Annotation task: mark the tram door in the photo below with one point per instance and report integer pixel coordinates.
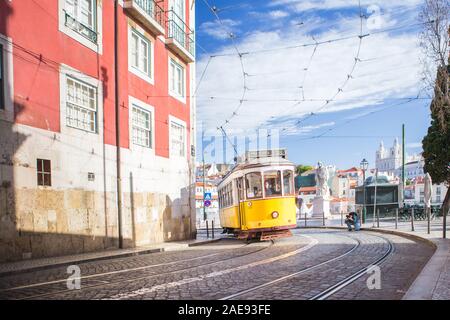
(241, 203)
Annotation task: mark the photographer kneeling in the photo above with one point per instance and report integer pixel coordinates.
(352, 219)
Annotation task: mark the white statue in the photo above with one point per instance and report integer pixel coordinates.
(322, 176)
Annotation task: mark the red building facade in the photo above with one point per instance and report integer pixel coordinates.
(58, 123)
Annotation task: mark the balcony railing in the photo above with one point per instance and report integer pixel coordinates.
(80, 28)
(181, 34)
(147, 12)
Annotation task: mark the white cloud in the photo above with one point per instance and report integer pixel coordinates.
(277, 14)
(414, 145)
(218, 30)
(391, 71)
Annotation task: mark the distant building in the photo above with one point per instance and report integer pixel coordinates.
(414, 193)
(390, 162)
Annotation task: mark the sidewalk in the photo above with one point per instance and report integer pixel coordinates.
(433, 283)
(16, 267)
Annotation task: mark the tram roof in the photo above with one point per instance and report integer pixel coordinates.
(258, 163)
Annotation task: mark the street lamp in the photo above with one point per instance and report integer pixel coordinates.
(364, 165)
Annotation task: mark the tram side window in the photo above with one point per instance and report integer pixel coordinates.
(240, 186)
(272, 183)
(230, 194)
(220, 198)
(253, 183)
(288, 183)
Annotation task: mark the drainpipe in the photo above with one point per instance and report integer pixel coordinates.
(117, 115)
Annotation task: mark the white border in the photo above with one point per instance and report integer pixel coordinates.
(148, 108)
(182, 123)
(150, 79)
(97, 47)
(65, 71)
(171, 93)
(7, 114)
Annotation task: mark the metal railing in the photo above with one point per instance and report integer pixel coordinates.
(152, 8)
(80, 28)
(179, 31)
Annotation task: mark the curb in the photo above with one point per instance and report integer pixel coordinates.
(196, 244)
(106, 257)
(75, 261)
(394, 232)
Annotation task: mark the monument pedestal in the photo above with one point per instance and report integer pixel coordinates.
(321, 206)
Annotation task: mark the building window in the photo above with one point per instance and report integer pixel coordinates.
(177, 139)
(176, 79)
(140, 54)
(2, 80)
(142, 127)
(44, 172)
(80, 16)
(81, 105)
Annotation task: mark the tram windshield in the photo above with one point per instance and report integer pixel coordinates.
(272, 183)
(253, 183)
(288, 183)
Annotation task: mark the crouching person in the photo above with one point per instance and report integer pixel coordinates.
(352, 219)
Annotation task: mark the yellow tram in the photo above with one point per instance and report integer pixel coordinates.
(257, 199)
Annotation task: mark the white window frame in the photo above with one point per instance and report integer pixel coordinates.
(179, 122)
(132, 101)
(73, 105)
(174, 94)
(149, 77)
(7, 114)
(96, 47)
(66, 72)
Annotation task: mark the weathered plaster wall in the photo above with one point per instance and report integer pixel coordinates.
(76, 215)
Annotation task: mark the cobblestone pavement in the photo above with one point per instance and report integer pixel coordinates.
(229, 267)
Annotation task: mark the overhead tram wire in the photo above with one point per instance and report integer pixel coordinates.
(323, 134)
(349, 75)
(214, 10)
(322, 42)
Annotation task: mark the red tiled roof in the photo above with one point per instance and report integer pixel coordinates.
(308, 189)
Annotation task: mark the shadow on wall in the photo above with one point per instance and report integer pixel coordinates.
(39, 221)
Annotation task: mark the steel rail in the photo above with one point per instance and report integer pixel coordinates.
(103, 283)
(352, 278)
(307, 269)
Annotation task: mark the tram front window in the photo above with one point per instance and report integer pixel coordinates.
(272, 183)
(288, 182)
(253, 183)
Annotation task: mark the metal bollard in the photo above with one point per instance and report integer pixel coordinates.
(378, 218)
(412, 219)
(342, 218)
(429, 220)
(212, 228)
(305, 220)
(323, 218)
(207, 229)
(396, 218)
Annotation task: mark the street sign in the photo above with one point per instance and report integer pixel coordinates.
(207, 196)
(207, 203)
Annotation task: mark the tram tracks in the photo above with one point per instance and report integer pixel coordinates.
(355, 276)
(334, 288)
(106, 282)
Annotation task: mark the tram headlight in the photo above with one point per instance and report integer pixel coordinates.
(275, 214)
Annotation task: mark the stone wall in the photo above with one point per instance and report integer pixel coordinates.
(75, 215)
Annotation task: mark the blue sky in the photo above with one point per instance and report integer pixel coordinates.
(284, 83)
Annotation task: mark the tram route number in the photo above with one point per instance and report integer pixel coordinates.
(238, 309)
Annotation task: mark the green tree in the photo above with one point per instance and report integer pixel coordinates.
(436, 144)
(434, 40)
(300, 169)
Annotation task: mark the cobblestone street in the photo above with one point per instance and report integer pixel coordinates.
(301, 267)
